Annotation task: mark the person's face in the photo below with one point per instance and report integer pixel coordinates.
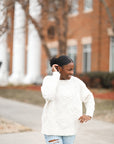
(66, 71)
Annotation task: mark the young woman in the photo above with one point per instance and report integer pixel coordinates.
(64, 94)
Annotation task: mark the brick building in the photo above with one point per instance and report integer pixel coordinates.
(90, 37)
(90, 42)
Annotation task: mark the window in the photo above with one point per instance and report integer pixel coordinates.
(51, 11)
(72, 53)
(88, 5)
(112, 54)
(53, 52)
(87, 58)
(74, 7)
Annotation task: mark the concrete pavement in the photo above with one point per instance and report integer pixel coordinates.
(93, 132)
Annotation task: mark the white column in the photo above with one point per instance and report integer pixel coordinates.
(34, 47)
(3, 49)
(18, 64)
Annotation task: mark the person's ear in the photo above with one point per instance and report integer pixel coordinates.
(59, 69)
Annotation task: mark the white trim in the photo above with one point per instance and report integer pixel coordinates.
(110, 32)
(73, 14)
(86, 40)
(88, 11)
(52, 44)
(51, 19)
(71, 42)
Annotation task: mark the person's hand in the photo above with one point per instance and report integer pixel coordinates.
(54, 68)
(84, 118)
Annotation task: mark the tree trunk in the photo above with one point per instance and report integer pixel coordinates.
(62, 28)
(39, 28)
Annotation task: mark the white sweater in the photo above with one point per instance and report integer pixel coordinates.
(64, 104)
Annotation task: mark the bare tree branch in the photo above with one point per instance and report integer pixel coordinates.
(58, 10)
(108, 13)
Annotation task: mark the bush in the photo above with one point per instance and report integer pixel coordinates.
(98, 79)
(85, 79)
(112, 83)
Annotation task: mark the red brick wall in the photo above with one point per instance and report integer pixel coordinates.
(92, 24)
(86, 25)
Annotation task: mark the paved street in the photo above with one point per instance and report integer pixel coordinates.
(93, 132)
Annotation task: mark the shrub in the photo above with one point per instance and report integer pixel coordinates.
(85, 79)
(112, 84)
(98, 79)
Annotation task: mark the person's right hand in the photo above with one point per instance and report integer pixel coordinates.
(54, 68)
(84, 118)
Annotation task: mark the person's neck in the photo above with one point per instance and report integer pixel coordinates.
(61, 78)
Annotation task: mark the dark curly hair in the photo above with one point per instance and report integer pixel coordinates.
(61, 60)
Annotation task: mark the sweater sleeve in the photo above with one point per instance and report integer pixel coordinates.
(88, 99)
(49, 85)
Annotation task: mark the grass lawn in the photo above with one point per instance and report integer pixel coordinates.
(104, 109)
(27, 96)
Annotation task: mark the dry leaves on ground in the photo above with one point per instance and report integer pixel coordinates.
(7, 126)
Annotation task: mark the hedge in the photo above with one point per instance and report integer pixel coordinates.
(98, 79)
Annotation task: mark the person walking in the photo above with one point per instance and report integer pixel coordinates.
(64, 94)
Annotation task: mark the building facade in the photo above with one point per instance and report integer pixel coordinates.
(90, 42)
(90, 37)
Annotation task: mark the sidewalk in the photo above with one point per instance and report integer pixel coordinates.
(93, 132)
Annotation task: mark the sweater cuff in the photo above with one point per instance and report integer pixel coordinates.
(56, 74)
(89, 114)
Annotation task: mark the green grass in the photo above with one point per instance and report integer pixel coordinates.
(104, 109)
(27, 96)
